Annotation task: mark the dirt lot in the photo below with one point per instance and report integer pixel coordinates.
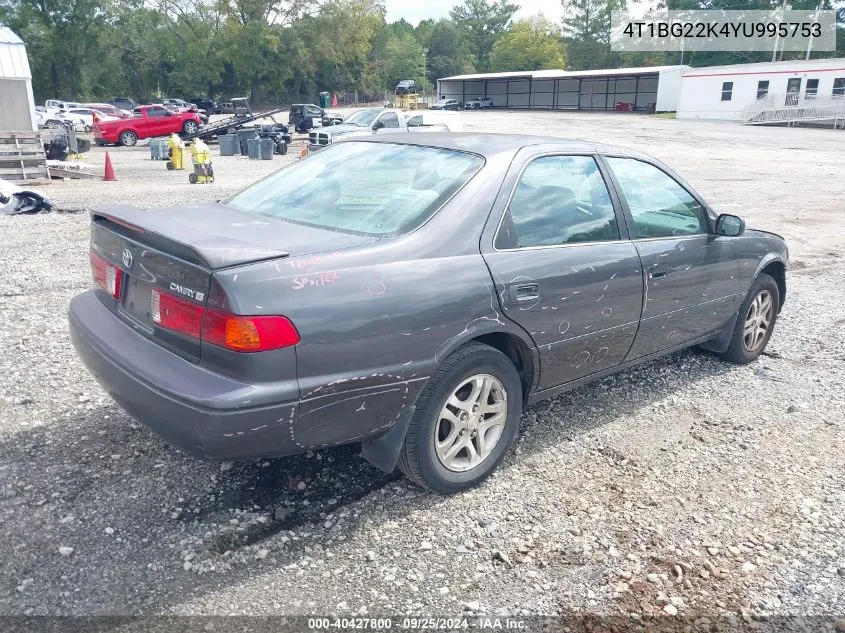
(686, 486)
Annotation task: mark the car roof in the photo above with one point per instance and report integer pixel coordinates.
(488, 145)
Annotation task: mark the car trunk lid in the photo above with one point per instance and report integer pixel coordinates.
(177, 251)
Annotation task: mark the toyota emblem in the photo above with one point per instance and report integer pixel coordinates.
(127, 258)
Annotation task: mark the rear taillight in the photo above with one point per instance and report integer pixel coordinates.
(106, 275)
(234, 332)
(176, 314)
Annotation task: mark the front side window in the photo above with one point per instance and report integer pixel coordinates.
(390, 120)
(727, 90)
(659, 205)
(559, 200)
(812, 88)
(839, 87)
(378, 189)
(762, 89)
(157, 112)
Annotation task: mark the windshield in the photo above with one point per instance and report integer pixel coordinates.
(363, 118)
(376, 189)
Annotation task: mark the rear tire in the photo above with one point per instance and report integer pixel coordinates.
(756, 321)
(459, 435)
(128, 139)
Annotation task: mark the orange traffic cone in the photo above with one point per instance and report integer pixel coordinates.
(109, 173)
(304, 151)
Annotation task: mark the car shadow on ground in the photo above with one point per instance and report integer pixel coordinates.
(134, 502)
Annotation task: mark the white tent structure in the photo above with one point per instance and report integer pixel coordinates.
(17, 104)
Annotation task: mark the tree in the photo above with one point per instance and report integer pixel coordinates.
(63, 36)
(529, 45)
(448, 53)
(586, 31)
(482, 23)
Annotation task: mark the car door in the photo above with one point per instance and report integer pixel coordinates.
(159, 121)
(689, 273)
(563, 266)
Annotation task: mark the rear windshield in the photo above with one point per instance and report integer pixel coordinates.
(377, 189)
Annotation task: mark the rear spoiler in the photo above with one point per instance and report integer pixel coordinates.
(164, 231)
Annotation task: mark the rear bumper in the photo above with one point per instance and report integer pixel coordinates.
(196, 410)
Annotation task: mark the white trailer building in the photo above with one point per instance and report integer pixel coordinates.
(647, 89)
(723, 92)
(17, 104)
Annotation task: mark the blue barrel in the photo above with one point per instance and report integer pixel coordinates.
(158, 149)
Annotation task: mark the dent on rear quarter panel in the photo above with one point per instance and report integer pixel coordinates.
(371, 334)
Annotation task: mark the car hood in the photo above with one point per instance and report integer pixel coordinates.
(224, 236)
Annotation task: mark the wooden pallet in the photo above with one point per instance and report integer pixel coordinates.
(22, 158)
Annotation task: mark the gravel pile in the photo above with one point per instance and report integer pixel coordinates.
(687, 486)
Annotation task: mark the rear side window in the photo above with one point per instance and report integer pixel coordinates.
(559, 200)
(378, 189)
(660, 206)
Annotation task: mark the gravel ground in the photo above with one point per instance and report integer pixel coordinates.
(685, 486)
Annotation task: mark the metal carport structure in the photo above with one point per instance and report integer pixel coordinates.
(654, 88)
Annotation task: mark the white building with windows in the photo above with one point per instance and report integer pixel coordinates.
(723, 92)
(17, 104)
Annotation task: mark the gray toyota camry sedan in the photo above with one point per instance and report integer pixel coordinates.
(413, 293)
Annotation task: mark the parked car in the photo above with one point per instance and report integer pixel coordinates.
(304, 116)
(124, 103)
(479, 103)
(178, 103)
(373, 121)
(446, 104)
(209, 105)
(332, 118)
(57, 120)
(54, 105)
(406, 86)
(147, 122)
(413, 293)
(109, 110)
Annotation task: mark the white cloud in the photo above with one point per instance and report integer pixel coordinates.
(414, 11)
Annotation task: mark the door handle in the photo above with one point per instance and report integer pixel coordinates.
(656, 272)
(524, 292)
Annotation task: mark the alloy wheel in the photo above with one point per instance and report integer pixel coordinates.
(471, 422)
(757, 321)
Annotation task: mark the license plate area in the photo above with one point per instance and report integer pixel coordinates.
(136, 301)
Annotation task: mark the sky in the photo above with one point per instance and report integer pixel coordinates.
(415, 10)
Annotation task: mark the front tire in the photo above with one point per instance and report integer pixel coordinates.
(466, 419)
(757, 317)
(190, 127)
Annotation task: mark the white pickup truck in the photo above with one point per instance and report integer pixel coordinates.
(383, 120)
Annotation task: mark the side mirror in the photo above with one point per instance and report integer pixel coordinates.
(730, 225)
(378, 125)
